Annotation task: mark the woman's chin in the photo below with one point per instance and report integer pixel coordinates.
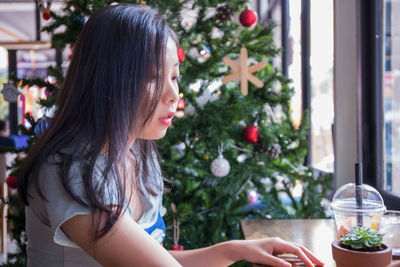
(154, 136)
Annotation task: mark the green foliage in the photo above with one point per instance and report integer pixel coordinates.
(363, 238)
(209, 208)
(16, 208)
(16, 218)
(52, 88)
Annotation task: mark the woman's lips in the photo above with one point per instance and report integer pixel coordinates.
(167, 120)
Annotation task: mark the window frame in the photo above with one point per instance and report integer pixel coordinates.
(371, 16)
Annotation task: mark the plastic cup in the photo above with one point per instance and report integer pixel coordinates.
(357, 205)
(391, 228)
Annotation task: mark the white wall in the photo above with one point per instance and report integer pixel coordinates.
(345, 89)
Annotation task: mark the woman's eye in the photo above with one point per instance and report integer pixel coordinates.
(177, 78)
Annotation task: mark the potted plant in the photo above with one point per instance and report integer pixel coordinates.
(363, 247)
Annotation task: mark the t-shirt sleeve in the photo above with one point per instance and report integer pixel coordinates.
(60, 206)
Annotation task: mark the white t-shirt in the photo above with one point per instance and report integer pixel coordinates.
(48, 245)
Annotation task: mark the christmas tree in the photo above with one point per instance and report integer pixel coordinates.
(16, 208)
(234, 140)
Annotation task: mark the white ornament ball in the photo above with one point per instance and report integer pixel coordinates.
(220, 167)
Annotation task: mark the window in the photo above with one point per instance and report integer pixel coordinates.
(288, 17)
(391, 96)
(380, 97)
(321, 71)
(321, 63)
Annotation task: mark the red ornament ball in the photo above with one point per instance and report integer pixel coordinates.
(248, 18)
(177, 247)
(46, 16)
(181, 104)
(11, 182)
(250, 134)
(71, 46)
(181, 54)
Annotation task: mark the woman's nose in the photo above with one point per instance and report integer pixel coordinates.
(172, 93)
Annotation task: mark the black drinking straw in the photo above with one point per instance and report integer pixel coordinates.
(359, 182)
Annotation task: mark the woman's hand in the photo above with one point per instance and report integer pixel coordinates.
(263, 251)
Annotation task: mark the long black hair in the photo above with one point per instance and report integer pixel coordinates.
(104, 102)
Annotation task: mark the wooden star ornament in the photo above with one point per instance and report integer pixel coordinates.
(243, 71)
(143, 3)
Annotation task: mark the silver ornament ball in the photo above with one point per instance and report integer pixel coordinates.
(220, 167)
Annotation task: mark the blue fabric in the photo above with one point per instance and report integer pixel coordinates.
(157, 226)
(42, 125)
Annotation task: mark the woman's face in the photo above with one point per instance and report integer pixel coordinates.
(166, 108)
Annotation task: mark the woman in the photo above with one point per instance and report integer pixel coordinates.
(91, 183)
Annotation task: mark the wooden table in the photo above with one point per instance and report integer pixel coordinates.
(317, 234)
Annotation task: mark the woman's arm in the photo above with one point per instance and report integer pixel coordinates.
(218, 255)
(127, 244)
(257, 251)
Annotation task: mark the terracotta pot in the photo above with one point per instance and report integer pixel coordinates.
(352, 258)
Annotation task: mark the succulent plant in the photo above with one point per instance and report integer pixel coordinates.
(363, 238)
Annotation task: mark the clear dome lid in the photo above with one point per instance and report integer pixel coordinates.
(358, 199)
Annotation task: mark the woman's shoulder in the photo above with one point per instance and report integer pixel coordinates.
(70, 164)
(69, 183)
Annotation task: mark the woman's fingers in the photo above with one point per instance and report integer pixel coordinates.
(311, 256)
(293, 249)
(276, 246)
(274, 261)
(304, 254)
